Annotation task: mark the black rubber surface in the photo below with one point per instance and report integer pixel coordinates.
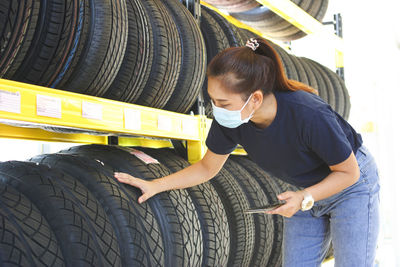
(13, 248)
(271, 189)
(103, 49)
(166, 64)
(138, 59)
(193, 68)
(321, 86)
(215, 41)
(264, 227)
(210, 210)
(63, 211)
(128, 222)
(174, 211)
(18, 20)
(241, 226)
(26, 234)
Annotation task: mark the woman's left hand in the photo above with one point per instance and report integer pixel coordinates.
(292, 205)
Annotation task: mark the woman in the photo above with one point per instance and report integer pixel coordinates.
(293, 134)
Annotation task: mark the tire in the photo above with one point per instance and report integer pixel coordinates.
(328, 85)
(241, 226)
(312, 81)
(264, 226)
(102, 53)
(193, 58)
(210, 210)
(129, 223)
(337, 88)
(174, 211)
(18, 20)
(63, 212)
(215, 41)
(265, 20)
(230, 30)
(52, 42)
(322, 88)
(234, 6)
(138, 59)
(27, 231)
(271, 189)
(288, 65)
(301, 74)
(13, 248)
(166, 64)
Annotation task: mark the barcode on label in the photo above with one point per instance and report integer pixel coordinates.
(10, 101)
(48, 106)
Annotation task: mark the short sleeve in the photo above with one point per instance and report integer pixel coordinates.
(326, 138)
(218, 141)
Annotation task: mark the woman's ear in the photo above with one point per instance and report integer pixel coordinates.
(257, 99)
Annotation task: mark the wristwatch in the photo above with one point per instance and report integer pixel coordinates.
(307, 202)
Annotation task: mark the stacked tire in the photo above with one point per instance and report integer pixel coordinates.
(67, 209)
(151, 52)
(265, 20)
(145, 52)
(219, 34)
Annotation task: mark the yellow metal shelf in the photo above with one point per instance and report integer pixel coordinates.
(67, 109)
(26, 109)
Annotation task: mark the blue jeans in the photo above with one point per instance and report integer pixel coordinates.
(350, 219)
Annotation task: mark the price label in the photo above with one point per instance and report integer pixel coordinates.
(48, 106)
(10, 101)
(132, 119)
(92, 110)
(189, 127)
(164, 123)
(143, 156)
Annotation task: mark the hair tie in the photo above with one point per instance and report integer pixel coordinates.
(252, 43)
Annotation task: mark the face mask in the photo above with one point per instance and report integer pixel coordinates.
(230, 118)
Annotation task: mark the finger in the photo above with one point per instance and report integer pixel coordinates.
(280, 210)
(122, 176)
(143, 198)
(285, 195)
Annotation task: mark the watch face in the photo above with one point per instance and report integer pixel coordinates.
(306, 205)
(309, 204)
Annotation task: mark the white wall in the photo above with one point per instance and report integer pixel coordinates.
(371, 32)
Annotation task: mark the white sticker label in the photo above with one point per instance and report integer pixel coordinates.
(132, 119)
(164, 123)
(48, 106)
(10, 101)
(143, 156)
(189, 127)
(92, 111)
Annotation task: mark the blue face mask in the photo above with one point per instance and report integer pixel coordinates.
(230, 118)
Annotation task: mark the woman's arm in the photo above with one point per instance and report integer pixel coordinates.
(195, 174)
(342, 176)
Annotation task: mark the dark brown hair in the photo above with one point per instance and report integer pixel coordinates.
(243, 70)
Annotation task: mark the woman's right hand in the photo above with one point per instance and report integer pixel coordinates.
(148, 188)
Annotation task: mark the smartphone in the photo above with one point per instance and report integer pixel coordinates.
(265, 208)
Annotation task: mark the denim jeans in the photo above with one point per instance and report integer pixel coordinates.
(350, 219)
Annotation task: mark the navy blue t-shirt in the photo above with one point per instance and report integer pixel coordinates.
(305, 137)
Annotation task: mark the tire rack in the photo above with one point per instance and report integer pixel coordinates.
(25, 107)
